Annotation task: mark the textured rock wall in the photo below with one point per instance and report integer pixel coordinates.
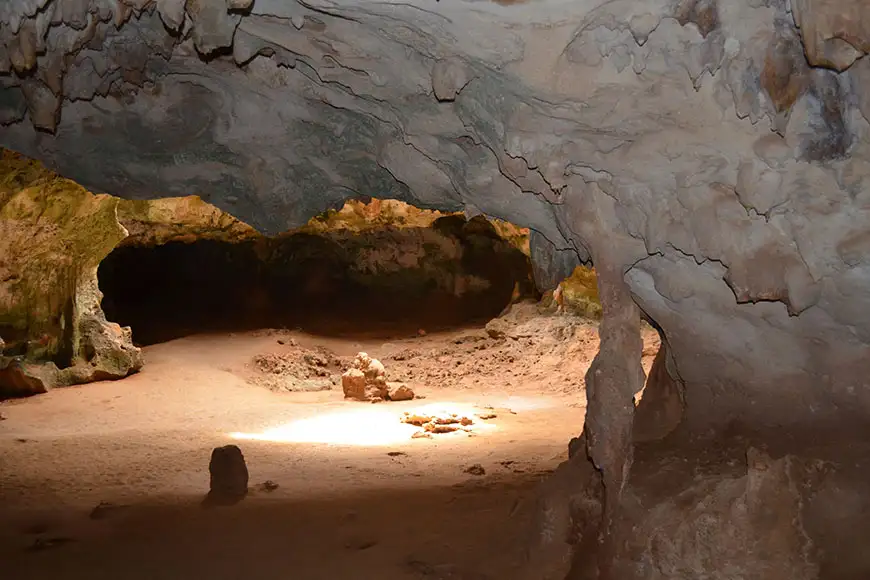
(725, 526)
(178, 219)
(53, 234)
(713, 153)
(365, 215)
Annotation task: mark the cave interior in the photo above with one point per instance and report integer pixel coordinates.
(334, 259)
(308, 280)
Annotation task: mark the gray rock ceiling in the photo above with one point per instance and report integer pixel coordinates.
(716, 152)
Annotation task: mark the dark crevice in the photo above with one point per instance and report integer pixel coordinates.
(65, 353)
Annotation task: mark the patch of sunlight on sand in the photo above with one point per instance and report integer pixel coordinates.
(364, 427)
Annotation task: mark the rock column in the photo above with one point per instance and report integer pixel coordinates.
(611, 382)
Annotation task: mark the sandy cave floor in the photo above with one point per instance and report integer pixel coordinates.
(357, 497)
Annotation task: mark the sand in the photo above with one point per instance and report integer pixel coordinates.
(357, 496)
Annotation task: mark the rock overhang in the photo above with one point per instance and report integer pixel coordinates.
(715, 152)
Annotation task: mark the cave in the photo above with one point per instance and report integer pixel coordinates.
(382, 281)
(694, 407)
(374, 333)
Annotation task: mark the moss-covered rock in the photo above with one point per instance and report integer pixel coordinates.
(53, 235)
(580, 293)
(360, 216)
(179, 219)
(576, 295)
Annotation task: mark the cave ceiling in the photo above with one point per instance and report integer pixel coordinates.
(714, 151)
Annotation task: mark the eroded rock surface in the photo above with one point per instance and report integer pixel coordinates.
(748, 526)
(660, 409)
(711, 157)
(366, 380)
(53, 235)
(367, 266)
(187, 219)
(641, 127)
(749, 521)
(836, 32)
(400, 392)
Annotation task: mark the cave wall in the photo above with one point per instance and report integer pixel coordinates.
(718, 151)
(178, 219)
(38, 217)
(53, 235)
(452, 257)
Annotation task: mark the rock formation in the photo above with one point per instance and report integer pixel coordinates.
(577, 294)
(742, 526)
(53, 235)
(711, 158)
(660, 409)
(228, 476)
(365, 380)
(724, 172)
(178, 219)
(400, 392)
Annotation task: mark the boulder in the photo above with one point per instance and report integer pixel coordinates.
(20, 379)
(353, 383)
(377, 389)
(400, 392)
(361, 361)
(497, 328)
(228, 475)
(375, 370)
(365, 380)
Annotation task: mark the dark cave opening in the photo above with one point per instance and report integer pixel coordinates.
(382, 281)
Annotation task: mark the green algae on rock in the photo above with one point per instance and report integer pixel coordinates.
(53, 235)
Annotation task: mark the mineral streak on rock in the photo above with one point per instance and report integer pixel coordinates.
(702, 13)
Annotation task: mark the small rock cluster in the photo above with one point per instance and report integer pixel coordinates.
(366, 380)
(434, 424)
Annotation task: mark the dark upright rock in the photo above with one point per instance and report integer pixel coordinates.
(229, 476)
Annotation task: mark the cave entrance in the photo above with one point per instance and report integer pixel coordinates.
(376, 268)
